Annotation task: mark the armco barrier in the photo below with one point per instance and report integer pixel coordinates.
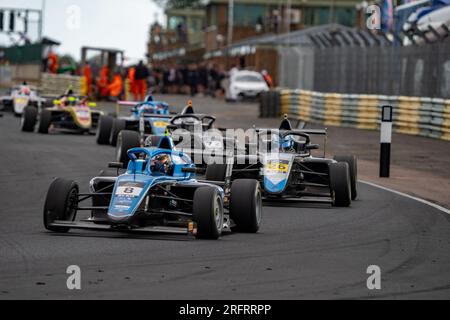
(428, 117)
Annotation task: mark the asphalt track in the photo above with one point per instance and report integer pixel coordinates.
(301, 252)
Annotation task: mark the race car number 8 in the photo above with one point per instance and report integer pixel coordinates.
(128, 191)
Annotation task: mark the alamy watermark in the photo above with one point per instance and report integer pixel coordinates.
(74, 280)
(73, 17)
(374, 280)
(215, 146)
(373, 22)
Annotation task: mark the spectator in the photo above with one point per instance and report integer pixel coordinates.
(116, 86)
(192, 79)
(172, 79)
(52, 61)
(202, 78)
(267, 78)
(102, 83)
(140, 77)
(132, 82)
(87, 72)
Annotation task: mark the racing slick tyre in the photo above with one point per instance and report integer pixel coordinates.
(208, 213)
(45, 119)
(216, 172)
(117, 126)
(340, 188)
(60, 204)
(105, 124)
(353, 169)
(125, 141)
(246, 205)
(29, 119)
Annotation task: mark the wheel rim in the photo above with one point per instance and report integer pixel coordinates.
(72, 202)
(119, 149)
(218, 213)
(258, 208)
(97, 134)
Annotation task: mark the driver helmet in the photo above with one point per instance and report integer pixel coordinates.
(287, 143)
(161, 164)
(25, 90)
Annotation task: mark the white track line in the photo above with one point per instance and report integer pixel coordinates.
(431, 204)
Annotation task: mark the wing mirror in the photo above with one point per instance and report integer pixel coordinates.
(312, 147)
(193, 170)
(57, 102)
(92, 105)
(115, 165)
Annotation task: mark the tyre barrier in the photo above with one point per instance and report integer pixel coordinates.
(428, 117)
(56, 84)
(269, 104)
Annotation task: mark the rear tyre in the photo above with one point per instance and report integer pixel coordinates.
(246, 205)
(353, 170)
(29, 119)
(126, 140)
(208, 213)
(216, 172)
(45, 119)
(340, 184)
(60, 204)
(104, 129)
(117, 126)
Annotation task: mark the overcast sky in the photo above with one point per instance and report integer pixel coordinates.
(106, 23)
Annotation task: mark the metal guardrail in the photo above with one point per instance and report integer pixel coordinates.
(428, 117)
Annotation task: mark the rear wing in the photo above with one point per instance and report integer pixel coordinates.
(127, 103)
(322, 132)
(133, 104)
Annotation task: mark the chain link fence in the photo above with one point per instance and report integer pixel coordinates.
(384, 70)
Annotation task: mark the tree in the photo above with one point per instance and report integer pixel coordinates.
(177, 4)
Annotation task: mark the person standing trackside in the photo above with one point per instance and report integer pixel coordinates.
(267, 78)
(140, 78)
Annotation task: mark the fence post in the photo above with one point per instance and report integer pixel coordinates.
(385, 141)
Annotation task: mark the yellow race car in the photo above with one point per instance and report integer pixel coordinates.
(69, 113)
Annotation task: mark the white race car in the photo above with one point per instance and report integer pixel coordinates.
(20, 97)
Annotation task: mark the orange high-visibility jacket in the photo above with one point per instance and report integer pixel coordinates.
(115, 88)
(52, 62)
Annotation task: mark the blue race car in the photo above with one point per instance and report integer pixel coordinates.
(154, 114)
(157, 193)
(289, 172)
(190, 142)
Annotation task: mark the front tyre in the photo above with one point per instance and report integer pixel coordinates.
(246, 205)
(353, 170)
(208, 213)
(340, 187)
(125, 141)
(118, 125)
(45, 120)
(29, 119)
(104, 129)
(61, 204)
